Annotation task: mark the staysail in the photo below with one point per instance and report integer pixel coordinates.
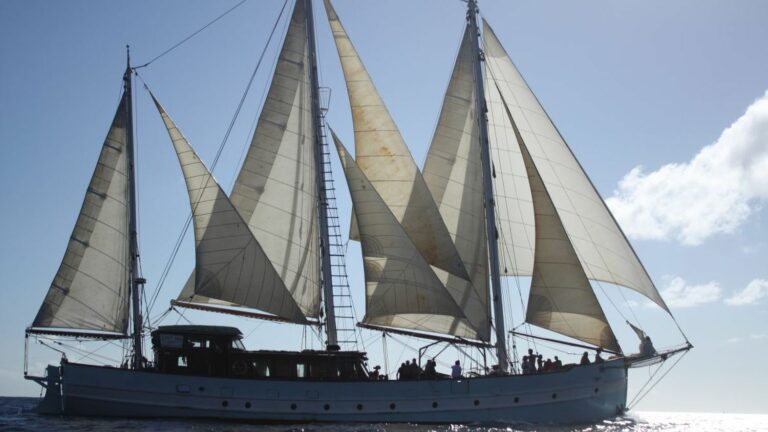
(453, 173)
(402, 289)
(91, 288)
(382, 155)
(230, 264)
(561, 298)
(601, 246)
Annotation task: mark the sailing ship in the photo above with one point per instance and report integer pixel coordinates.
(500, 195)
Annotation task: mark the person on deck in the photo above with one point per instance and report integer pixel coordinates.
(456, 370)
(375, 373)
(599, 359)
(415, 369)
(401, 373)
(548, 366)
(584, 358)
(558, 363)
(540, 363)
(430, 372)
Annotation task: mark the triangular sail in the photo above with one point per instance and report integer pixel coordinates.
(402, 289)
(90, 290)
(601, 246)
(230, 264)
(453, 173)
(275, 191)
(382, 155)
(561, 298)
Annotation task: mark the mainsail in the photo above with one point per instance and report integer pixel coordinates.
(453, 174)
(600, 244)
(402, 289)
(382, 155)
(230, 264)
(275, 191)
(90, 290)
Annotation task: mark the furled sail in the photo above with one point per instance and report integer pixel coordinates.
(561, 298)
(382, 155)
(453, 173)
(275, 191)
(402, 289)
(600, 244)
(90, 290)
(230, 263)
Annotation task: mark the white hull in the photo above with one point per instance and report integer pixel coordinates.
(580, 395)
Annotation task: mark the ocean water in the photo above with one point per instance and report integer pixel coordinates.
(16, 415)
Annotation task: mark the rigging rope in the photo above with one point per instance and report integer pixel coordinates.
(192, 35)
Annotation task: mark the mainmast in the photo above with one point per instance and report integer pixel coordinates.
(322, 199)
(136, 281)
(490, 204)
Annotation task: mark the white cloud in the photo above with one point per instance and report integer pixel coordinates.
(753, 337)
(679, 294)
(751, 294)
(715, 192)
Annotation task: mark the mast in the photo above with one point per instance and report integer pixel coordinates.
(136, 281)
(490, 204)
(322, 199)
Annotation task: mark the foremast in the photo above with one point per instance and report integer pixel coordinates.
(322, 199)
(490, 204)
(136, 281)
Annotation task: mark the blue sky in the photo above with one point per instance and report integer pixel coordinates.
(664, 104)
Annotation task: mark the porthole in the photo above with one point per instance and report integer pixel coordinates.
(554, 395)
(517, 399)
(477, 402)
(202, 389)
(248, 405)
(359, 407)
(392, 406)
(597, 390)
(224, 404)
(293, 407)
(434, 404)
(326, 407)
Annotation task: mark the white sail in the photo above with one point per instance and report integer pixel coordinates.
(230, 264)
(600, 244)
(275, 191)
(402, 289)
(382, 155)
(90, 290)
(561, 298)
(453, 173)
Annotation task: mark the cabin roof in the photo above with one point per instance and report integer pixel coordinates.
(200, 330)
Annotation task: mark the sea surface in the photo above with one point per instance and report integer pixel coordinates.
(16, 415)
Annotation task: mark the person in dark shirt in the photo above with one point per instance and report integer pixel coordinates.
(599, 359)
(558, 363)
(401, 373)
(584, 358)
(430, 372)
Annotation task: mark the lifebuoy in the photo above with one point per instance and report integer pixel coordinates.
(239, 367)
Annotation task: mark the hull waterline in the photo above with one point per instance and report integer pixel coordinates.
(579, 395)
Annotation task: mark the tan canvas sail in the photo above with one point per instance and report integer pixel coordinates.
(561, 298)
(90, 290)
(402, 289)
(382, 155)
(230, 264)
(453, 173)
(275, 191)
(600, 244)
